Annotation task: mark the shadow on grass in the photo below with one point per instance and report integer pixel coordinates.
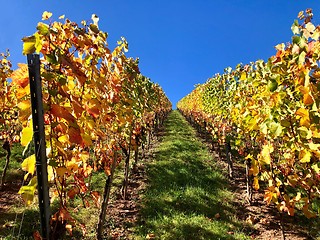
(186, 198)
(19, 225)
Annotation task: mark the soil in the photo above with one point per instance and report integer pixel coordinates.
(8, 196)
(125, 213)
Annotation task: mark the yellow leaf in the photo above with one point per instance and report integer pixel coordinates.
(63, 139)
(305, 122)
(62, 17)
(38, 43)
(310, 27)
(25, 110)
(256, 183)
(84, 156)
(265, 153)
(46, 15)
(243, 76)
(302, 112)
(308, 99)
(26, 135)
(61, 171)
(27, 192)
(313, 146)
(29, 45)
(20, 77)
(249, 156)
(50, 173)
(304, 156)
(29, 164)
(254, 168)
(22, 92)
(24, 105)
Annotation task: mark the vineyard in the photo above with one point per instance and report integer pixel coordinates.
(107, 128)
(268, 113)
(98, 109)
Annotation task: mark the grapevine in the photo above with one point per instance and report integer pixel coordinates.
(96, 103)
(269, 111)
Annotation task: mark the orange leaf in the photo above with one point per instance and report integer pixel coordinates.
(256, 183)
(74, 135)
(61, 171)
(73, 192)
(36, 235)
(94, 111)
(96, 197)
(64, 215)
(307, 99)
(77, 108)
(61, 112)
(20, 77)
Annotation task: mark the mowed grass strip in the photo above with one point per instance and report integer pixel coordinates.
(187, 195)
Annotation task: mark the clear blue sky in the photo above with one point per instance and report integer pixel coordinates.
(180, 43)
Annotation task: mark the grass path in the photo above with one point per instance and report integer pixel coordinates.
(187, 196)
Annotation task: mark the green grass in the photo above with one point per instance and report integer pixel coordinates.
(14, 171)
(17, 213)
(186, 191)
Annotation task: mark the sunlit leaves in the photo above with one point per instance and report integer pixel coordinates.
(304, 156)
(95, 100)
(27, 192)
(20, 76)
(46, 15)
(29, 45)
(26, 135)
(61, 112)
(29, 165)
(43, 28)
(270, 110)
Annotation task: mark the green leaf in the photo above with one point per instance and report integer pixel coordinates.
(43, 28)
(29, 45)
(272, 85)
(94, 28)
(305, 132)
(275, 129)
(296, 40)
(285, 123)
(51, 58)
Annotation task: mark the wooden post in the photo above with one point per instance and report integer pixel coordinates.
(39, 143)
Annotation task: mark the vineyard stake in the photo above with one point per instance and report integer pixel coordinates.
(39, 143)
